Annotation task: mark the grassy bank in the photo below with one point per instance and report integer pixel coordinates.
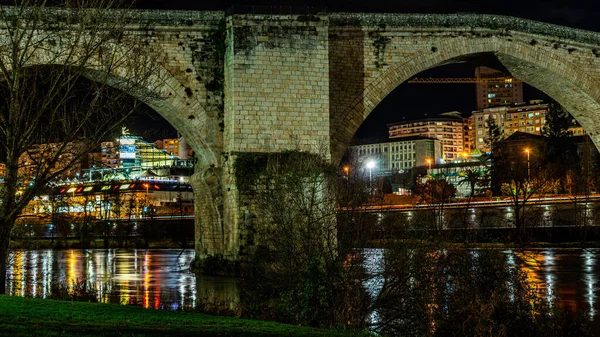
(37, 317)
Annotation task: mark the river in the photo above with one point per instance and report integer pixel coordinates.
(159, 278)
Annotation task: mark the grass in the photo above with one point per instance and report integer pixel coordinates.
(38, 317)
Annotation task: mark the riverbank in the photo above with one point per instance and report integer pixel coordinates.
(72, 243)
(38, 317)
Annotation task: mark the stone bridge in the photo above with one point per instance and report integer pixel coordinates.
(240, 83)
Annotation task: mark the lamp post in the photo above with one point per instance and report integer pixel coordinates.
(347, 171)
(528, 170)
(370, 166)
(429, 163)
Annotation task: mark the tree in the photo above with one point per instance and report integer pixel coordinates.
(435, 193)
(51, 113)
(522, 177)
(561, 153)
(557, 122)
(493, 138)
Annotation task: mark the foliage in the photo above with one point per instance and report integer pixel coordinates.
(557, 123)
(297, 274)
(76, 290)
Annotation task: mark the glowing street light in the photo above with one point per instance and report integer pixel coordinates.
(346, 170)
(428, 163)
(528, 171)
(146, 186)
(370, 166)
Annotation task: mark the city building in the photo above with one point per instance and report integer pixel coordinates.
(468, 134)
(447, 127)
(528, 118)
(39, 157)
(2, 171)
(491, 92)
(398, 154)
(136, 152)
(109, 155)
(461, 172)
(171, 145)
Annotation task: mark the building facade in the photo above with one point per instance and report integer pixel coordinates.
(447, 127)
(496, 88)
(459, 173)
(398, 154)
(528, 118)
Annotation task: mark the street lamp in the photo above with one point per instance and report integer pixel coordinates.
(370, 166)
(146, 186)
(428, 163)
(528, 171)
(346, 171)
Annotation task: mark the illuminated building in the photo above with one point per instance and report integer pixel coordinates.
(175, 146)
(492, 93)
(110, 154)
(171, 145)
(468, 134)
(136, 152)
(398, 154)
(447, 127)
(2, 171)
(40, 156)
(457, 171)
(528, 118)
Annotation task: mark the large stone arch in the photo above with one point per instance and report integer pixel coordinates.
(169, 95)
(529, 61)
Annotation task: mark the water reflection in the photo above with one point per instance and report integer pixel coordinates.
(150, 278)
(159, 278)
(566, 277)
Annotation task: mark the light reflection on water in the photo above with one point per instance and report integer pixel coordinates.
(150, 278)
(159, 278)
(567, 276)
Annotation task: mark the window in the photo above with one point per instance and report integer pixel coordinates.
(491, 95)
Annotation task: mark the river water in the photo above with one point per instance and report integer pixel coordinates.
(159, 278)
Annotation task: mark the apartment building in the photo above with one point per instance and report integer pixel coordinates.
(447, 127)
(399, 154)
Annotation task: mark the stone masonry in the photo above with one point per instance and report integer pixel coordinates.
(247, 83)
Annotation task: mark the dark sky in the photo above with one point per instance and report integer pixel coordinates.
(415, 100)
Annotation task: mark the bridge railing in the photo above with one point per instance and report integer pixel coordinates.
(281, 10)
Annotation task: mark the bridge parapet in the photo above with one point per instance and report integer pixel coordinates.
(465, 21)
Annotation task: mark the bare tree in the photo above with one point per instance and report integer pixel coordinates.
(51, 114)
(435, 193)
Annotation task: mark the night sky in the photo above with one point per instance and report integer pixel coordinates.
(408, 100)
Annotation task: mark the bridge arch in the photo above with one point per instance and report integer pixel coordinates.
(170, 96)
(527, 60)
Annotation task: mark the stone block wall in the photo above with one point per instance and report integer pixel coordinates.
(277, 83)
